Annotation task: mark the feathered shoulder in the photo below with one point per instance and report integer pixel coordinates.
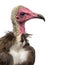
(7, 41)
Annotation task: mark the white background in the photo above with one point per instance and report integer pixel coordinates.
(45, 38)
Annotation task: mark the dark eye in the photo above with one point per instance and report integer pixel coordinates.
(22, 14)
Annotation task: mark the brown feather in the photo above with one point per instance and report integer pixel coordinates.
(6, 59)
(31, 56)
(7, 41)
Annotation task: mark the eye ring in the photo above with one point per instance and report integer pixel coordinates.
(22, 14)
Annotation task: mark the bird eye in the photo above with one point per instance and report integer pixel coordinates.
(22, 14)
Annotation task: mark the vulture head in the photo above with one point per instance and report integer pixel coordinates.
(20, 15)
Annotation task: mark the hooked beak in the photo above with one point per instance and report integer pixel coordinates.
(39, 16)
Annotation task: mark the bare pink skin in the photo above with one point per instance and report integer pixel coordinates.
(21, 20)
(21, 29)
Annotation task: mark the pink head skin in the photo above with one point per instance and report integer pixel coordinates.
(23, 15)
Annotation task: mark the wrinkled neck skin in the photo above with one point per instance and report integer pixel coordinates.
(22, 28)
(18, 29)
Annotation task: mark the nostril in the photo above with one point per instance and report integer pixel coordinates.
(17, 17)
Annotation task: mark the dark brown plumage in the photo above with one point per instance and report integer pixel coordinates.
(31, 56)
(6, 42)
(6, 59)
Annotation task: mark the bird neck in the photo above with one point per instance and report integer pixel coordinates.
(21, 28)
(18, 29)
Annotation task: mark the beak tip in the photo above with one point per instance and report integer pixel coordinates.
(44, 19)
(41, 17)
